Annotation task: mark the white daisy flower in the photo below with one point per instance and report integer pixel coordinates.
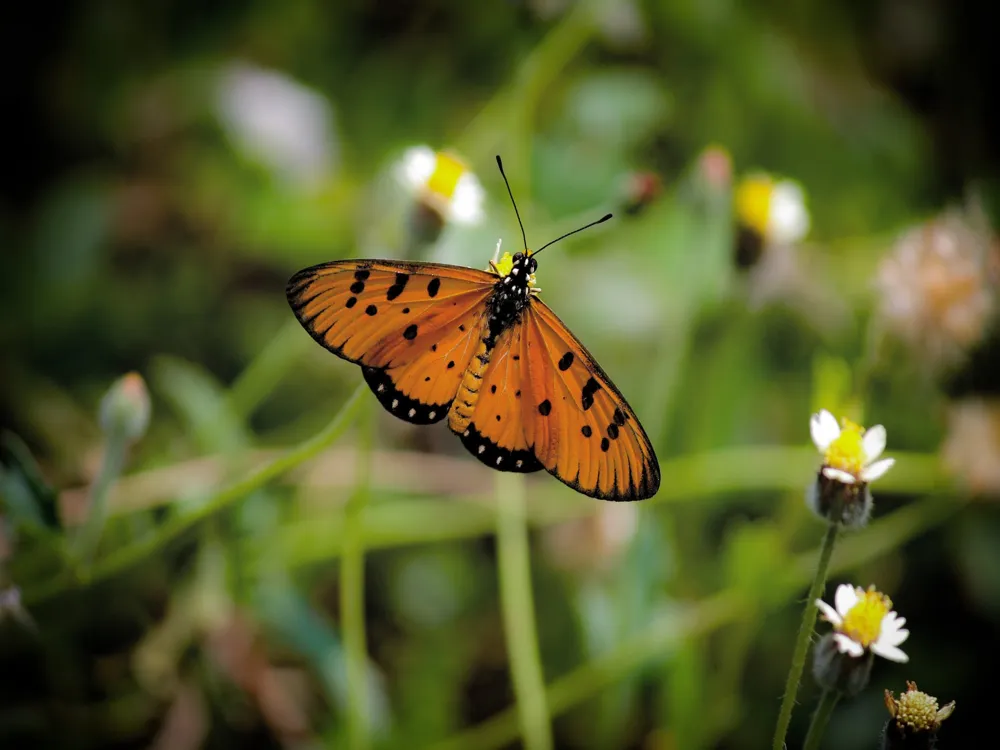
(864, 621)
(774, 209)
(849, 451)
(444, 183)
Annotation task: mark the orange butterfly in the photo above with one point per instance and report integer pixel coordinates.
(481, 348)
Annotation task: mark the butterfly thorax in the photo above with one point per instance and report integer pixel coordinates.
(511, 294)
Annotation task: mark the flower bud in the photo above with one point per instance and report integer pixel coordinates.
(836, 502)
(125, 408)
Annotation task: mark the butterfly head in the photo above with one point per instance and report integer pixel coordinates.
(519, 268)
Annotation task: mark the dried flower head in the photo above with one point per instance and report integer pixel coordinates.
(936, 290)
(914, 719)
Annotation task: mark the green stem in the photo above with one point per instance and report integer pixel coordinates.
(804, 638)
(352, 592)
(817, 726)
(267, 369)
(132, 554)
(111, 469)
(519, 612)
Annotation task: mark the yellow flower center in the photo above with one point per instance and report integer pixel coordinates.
(753, 202)
(863, 622)
(448, 169)
(847, 452)
(504, 265)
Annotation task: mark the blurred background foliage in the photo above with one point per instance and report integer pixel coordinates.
(172, 163)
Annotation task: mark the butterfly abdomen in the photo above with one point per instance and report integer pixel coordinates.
(464, 404)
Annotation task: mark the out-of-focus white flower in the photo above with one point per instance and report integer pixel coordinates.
(285, 125)
(442, 182)
(864, 621)
(936, 290)
(773, 208)
(971, 447)
(849, 452)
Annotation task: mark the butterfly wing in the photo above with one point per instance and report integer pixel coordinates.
(579, 425)
(413, 327)
(495, 433)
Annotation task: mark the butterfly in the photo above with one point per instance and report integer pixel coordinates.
(481, 349)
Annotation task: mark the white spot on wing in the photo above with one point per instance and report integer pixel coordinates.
(482, 449)
(412, 412)
(395, 403)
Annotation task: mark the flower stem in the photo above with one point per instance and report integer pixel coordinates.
(827, 702)
(132, 554)
(352, 591)
(111, 468)
(804, 638)
(519, 612)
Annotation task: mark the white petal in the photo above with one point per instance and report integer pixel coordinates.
(467, 202)
(829, 613)
(788, 220)
(889, 652)
(891, 632)
(847, 646)
(824, 429)
(845, 598)
(873, 442)
(838, 476)
(877, 469)
(417, 166)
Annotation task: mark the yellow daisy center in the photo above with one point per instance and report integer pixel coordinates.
(863, 622)
(448, 170)
(753, 202)
(847, 452)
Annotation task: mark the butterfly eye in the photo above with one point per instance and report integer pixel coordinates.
(532, 265)
(518, 257)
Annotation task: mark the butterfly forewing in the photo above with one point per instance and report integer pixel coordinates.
(580, 426)
(412, 326)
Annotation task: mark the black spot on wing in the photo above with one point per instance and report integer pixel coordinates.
(566, 361)
(433, 286)
(587, 395)
(357, 287)
(398, 286)
(362, 274)
(545, 408)
(498, 457)
(399, 404)
(410, 333)
(586, 430)
(351, 302)
(371, 310)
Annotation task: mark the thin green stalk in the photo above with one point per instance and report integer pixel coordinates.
(817, 727)
(519, 612)
(268, 368)
(127, 556)
(352, 592)
(111, 469)
(804, 638)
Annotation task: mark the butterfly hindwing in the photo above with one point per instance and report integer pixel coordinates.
(578, 423)
(413, 327)
(495, 434)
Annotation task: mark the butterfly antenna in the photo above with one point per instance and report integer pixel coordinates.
(518, 215)
(588, 226)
